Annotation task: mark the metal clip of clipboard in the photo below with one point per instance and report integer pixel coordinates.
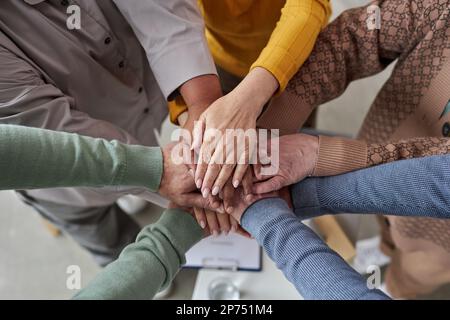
(221, 264)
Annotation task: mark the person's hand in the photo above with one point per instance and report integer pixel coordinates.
(189, 211)
(297, 158)
(218, 223)
(242, 202)
(177, 183)
(238, 110)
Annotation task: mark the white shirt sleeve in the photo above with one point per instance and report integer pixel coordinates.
(173, 36)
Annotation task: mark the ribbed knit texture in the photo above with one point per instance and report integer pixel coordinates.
(337, 155)
(150, 264)
(316, 271)
(277, 35)
(36, 158)
(414, 188)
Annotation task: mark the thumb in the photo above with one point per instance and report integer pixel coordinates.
(195, 199)
(271, 185)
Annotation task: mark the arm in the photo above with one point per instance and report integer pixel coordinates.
(35, 158)
(339, 155)
(26, 99)
(302, 155)
(172, 34)
(316, 271)
(348, 50)
(345, 51)
(150, 264)
(417, 187)
(290, 44)
(293, 38)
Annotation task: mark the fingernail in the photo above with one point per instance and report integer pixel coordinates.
(249, 198)
(205, 193)
(230, 209)
(202, 224)
(226, 232)
(236, 183)
(220, 210)
(215, 233)
(198, 183)
(215, 191)
(233, 228)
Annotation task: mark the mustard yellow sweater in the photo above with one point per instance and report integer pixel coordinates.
(277, 35)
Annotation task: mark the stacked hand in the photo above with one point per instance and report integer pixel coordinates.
(223, 173)
(298, 155)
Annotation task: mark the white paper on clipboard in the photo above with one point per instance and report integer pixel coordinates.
(225, 252)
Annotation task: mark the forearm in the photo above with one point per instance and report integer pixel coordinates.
(417, 187)
(37, 158)
(198, 94)
(255, 90)
(347, 50)
(316, 271)
(150, 264)
(340, 155)
(293, 38)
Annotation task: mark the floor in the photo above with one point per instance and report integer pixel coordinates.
(33, 263)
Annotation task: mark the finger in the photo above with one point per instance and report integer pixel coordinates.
(228, 197)
(273, 184)
(213, 223)
(196, 200)
(247, 182)
(243, 233)
(239, 174)
(200, 217)
(225, 173)
(224, 223)
(210, 176)
(215, 163)
(197, 133)
(204, 158)
(234, 225)
(257, 170)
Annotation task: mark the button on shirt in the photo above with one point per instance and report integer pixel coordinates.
(98, 80)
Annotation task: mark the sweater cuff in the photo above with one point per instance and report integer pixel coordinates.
(340, 155)
(180, 228)
(305, 199)
(144, 167)
(262, 212)
(278, 62)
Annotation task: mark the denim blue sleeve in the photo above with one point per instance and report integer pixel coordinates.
(316, 271)
(417, 187)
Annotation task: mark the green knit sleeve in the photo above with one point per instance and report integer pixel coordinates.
(33, 158)
(150, 264)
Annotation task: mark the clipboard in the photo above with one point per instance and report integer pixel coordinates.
(232, 252)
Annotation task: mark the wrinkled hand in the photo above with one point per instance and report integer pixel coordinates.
(177, 183)
(214, 137)
(297, 158)
(242, 202)
(216, 132)
(218, 223)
